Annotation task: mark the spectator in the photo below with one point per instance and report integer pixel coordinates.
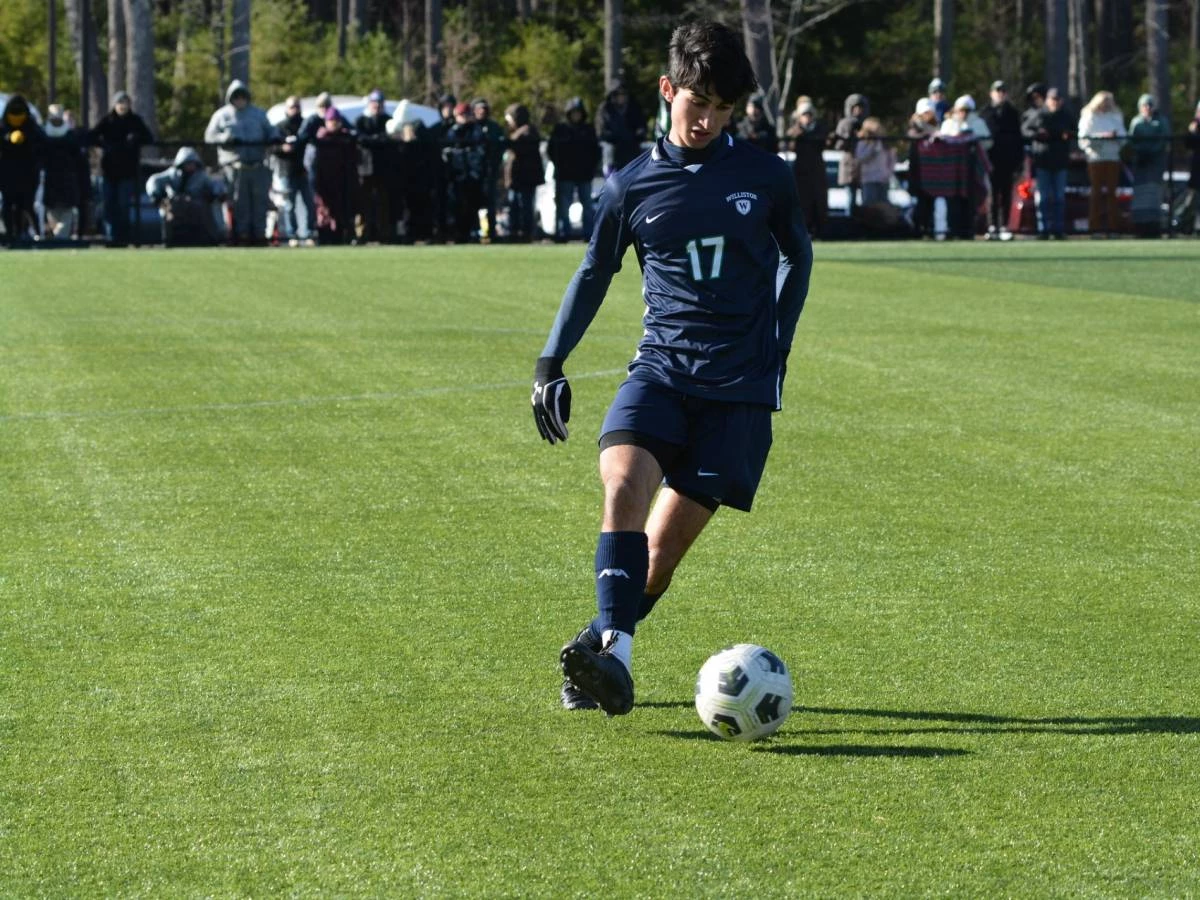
(493, 142)
(856, 108)
(922, 127)
(335, 174)
(1049, 128)
(315, 121)
(418, 164)
(938, 100)
(522, 172)
(186, 196)
(1192, 142)
(807, 135)
(121, 135)
(65, 163)
(575, 151)
(1148, 138)
(20, 148)
(378, 163)
(1006, 155)
(243, 133)
(291, 183)
(443, 197)
(875, 162)
(755, 128)
(620, 126)
(465, 158)
(1101, 128)
(964, 122)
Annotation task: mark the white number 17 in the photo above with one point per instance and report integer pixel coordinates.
(693, 249)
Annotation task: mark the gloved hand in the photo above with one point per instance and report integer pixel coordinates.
(551, 399)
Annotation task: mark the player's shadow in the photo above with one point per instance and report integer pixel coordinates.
(929, 722)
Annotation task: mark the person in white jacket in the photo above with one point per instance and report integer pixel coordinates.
(1101, 134)
(963, 121)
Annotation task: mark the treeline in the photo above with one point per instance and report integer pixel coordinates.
(176, 56)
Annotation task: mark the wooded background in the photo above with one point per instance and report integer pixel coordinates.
(175, 57)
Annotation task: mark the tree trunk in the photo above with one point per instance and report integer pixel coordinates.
(139, 59)
(1079, 67)
(943, 39)
(94, 102)
(1156, 54)
(342, 25)
(219, 58)
(759, 37)
(433, 49)
(524, 10)
(118, 49)
(179, 72)
(239, 41)
(358, 19)
(1194, 54)
(612, 41)
(1057, 44)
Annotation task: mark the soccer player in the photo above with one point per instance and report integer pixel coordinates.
(725, 260)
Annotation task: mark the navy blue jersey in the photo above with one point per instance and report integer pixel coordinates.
(725, 260)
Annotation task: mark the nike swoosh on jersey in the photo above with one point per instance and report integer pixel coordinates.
(650, 219)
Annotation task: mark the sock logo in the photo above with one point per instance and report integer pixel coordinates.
(613, 573)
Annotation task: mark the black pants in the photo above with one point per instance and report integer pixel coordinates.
(1002, 187)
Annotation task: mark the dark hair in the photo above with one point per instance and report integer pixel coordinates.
(709, 56)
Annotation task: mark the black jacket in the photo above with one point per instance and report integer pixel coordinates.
(120, 139)
(1008, 147)
(1052, 134)
(291, 164)
(575, 151)
(66, 168)
(20, 152)
(624, 128)
(1192, 142)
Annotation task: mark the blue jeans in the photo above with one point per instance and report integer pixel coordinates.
(1052, 200)
(299, 211)
(118, 204)
(564, 193)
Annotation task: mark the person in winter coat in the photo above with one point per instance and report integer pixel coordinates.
(186, 194)
(1101, 134)
(1192, 141)
(522, 171)
(621, 127)
(334, 161)
(807, 134)
(1149, 134)
(377, 222)
(21, 140)
(845, 135)
(121, 135)
(1006, 155)
(65, 166)
(243, 135)
(575, 151)
(465, 158)
(875, 161)
(1051, 130)
(963, 121)
(922, 127)
(755, 128)
(291, 182)
(494, 143)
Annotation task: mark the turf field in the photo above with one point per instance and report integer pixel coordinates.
(284, 572)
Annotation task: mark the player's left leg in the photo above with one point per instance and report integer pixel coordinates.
(674, 524)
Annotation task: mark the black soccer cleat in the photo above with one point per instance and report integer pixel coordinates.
(601, 676)
(572, 696)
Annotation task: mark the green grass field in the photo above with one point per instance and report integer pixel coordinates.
(285, 568)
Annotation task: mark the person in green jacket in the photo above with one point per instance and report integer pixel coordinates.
(1149, 134)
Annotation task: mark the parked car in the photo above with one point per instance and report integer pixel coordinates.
(1022, 214)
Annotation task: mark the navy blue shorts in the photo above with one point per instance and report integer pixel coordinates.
(707, 448)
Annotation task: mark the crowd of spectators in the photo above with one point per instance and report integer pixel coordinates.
(459, 175)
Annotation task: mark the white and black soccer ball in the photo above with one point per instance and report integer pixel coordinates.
(743, 693)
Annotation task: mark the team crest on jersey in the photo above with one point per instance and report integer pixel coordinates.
(741, 201)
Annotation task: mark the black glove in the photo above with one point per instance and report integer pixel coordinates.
(551, 399)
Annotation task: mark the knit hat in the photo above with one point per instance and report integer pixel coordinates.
(966, 101)
(376, 96)
(121, 96)
(332, 113)
(1147, 100)
(937, 85)
(924, 105)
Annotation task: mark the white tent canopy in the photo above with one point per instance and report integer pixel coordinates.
(351, 107)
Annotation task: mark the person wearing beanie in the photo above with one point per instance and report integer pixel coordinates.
(121, 134)
(66, 170)
(21, 140)
(376, 220)
(807, 134)
(1149, 135)
(922, 128)
(1007, 155)
(937, 97)
(1050, 132)
(575, 151)
(334, 161)
(494, 143)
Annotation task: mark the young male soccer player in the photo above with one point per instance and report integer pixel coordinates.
(725, 261)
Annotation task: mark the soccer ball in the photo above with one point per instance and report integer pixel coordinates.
(743, 693)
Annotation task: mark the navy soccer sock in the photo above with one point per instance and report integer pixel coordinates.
(596, 628)
(622, 563)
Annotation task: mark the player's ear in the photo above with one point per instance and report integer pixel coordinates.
(666, 89)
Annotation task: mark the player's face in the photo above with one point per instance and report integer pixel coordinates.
(697, 116)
